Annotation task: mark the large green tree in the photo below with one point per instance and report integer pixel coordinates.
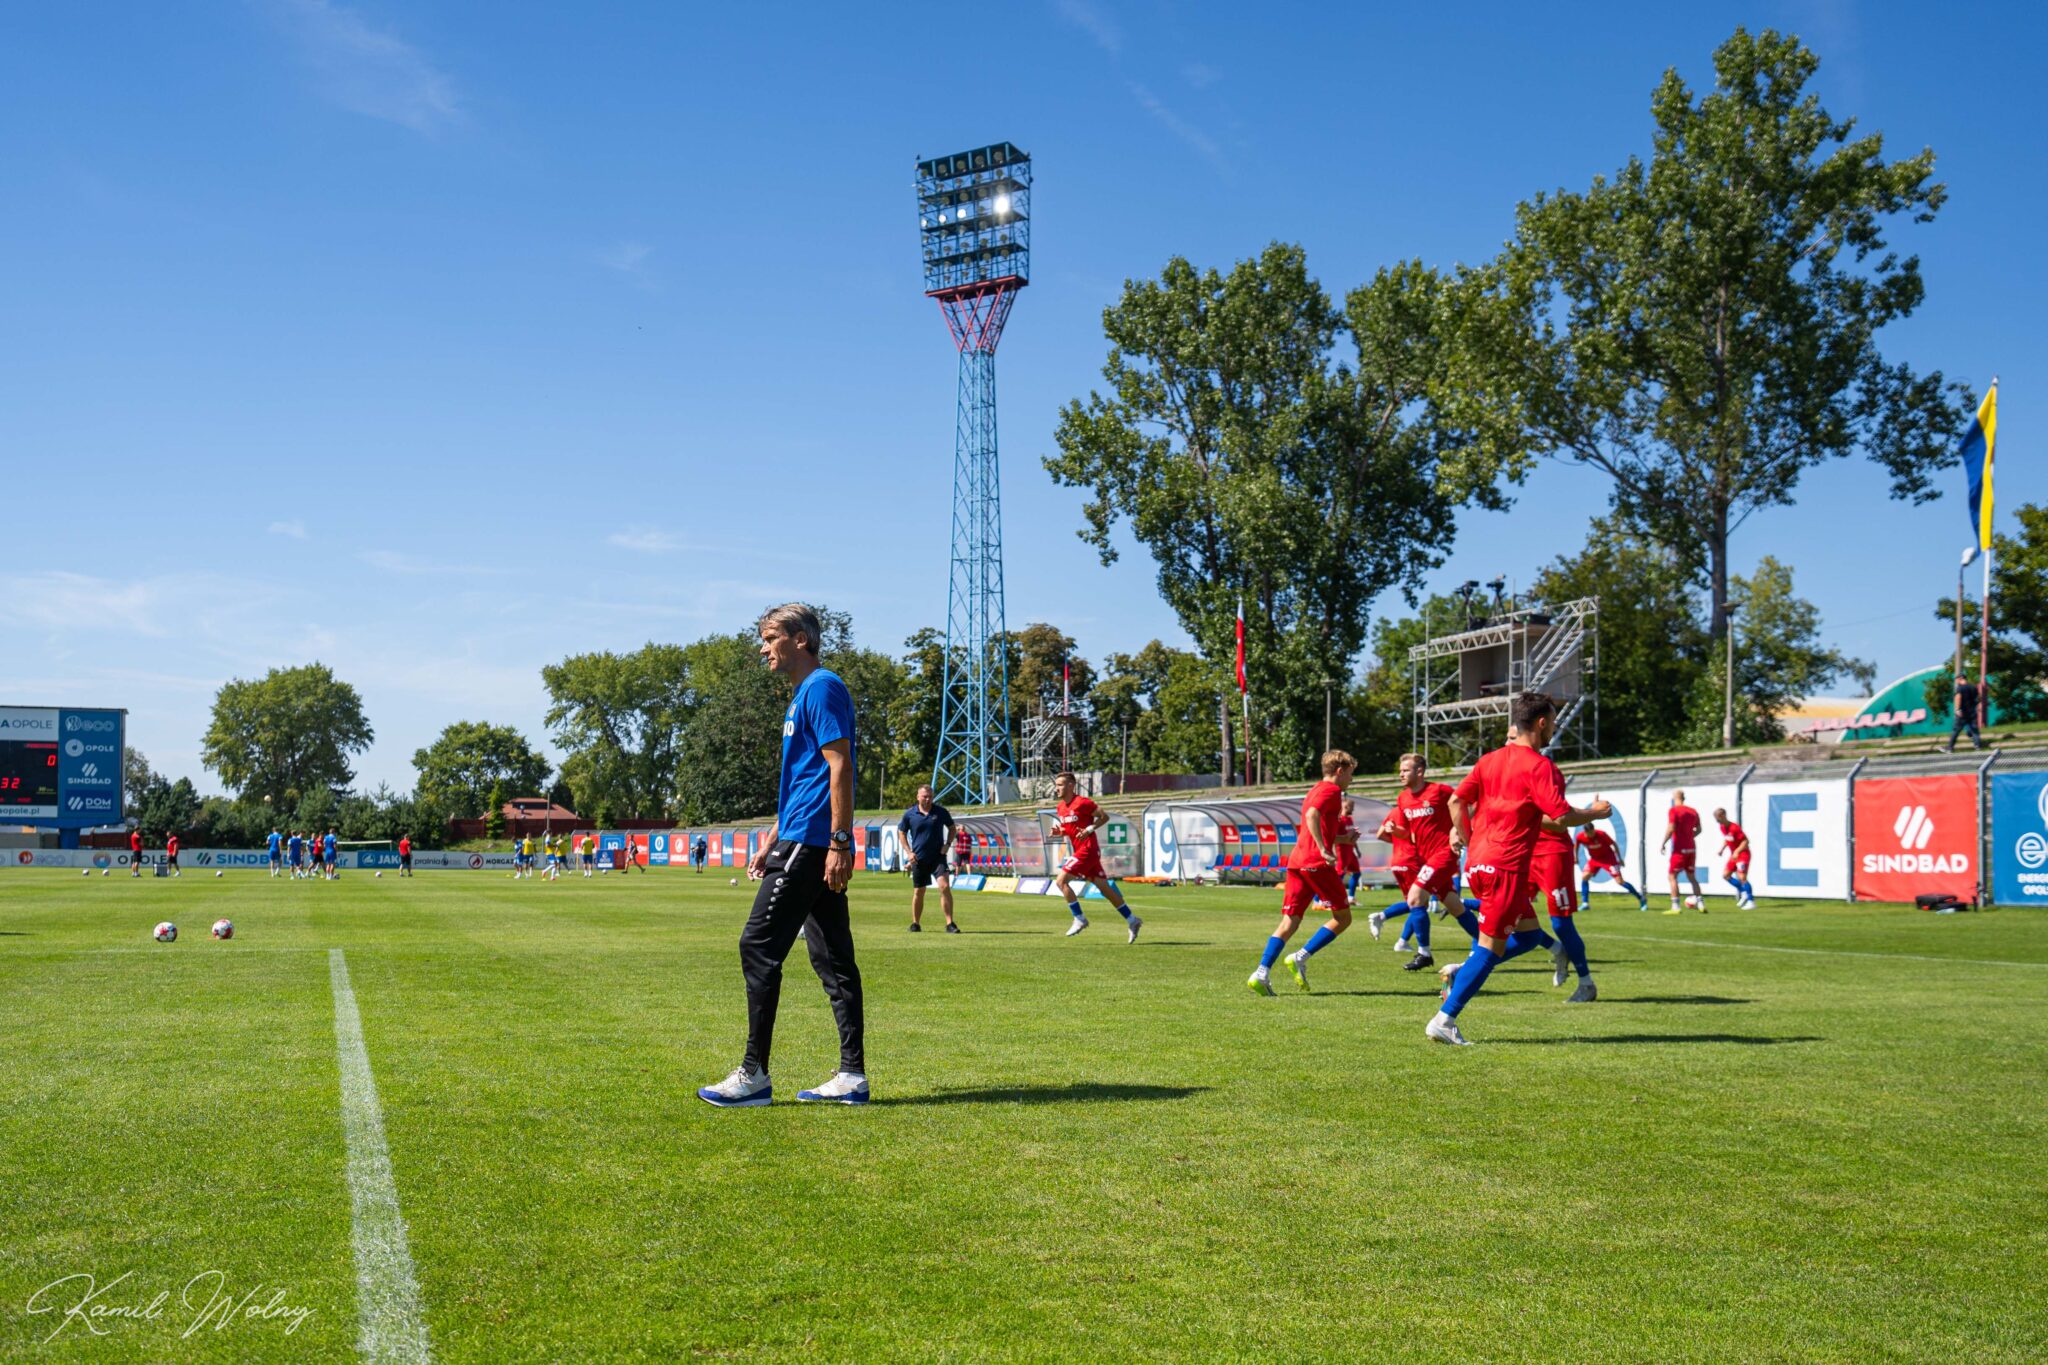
(2019, 625)
(1260, 443)
(1779, 658)
(620, 718)
(730, 762)
(286, 735)
(1702, 327)
(459, 769)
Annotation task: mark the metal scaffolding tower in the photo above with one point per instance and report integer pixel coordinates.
(1463, 682)
(974, 215)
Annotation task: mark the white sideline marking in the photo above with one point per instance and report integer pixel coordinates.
(387, 1294)
(1828, 952)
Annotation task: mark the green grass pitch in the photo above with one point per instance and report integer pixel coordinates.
(1079, 1150)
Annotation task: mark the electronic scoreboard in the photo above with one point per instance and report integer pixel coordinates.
(60, 766)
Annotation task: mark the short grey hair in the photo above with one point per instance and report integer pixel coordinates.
(795, 618)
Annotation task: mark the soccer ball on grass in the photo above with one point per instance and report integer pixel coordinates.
(1692, 902)
(223, 928)
(167, 932)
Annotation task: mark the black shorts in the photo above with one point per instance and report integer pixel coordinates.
(405, 861)
(924, 870)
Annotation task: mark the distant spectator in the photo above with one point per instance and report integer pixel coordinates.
(1967, 697)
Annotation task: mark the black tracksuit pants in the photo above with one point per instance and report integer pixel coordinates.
(793, 895)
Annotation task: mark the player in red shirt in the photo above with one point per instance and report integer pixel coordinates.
(1422, 811)
(135, 853)
(1312, 875)
(1503, 802)
(171, 854)
(1078, 818)
(405, 856)
(1681, 833)
(1603, 856)
(1347, 848)
(1735, 844)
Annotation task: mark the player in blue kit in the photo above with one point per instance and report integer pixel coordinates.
(276, 853)
(298, 852)
(327, 855)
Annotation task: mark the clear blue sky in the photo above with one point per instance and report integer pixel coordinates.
(437, 341)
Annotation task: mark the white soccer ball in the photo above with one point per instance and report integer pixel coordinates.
(167, 932)
(735, 881)
(380, 872)
(223, 928)
(1692, 902)
(86, 873)
(218, 873)
(105, 870)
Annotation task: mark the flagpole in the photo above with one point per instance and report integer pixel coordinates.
(1984, 540)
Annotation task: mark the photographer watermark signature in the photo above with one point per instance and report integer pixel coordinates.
(206, 1302)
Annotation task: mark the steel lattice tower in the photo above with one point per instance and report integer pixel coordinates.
(974, 214)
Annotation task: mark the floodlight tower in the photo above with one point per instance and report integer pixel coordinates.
(974, 214)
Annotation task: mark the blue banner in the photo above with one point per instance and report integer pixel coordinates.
(89, 767)
(2019, 838)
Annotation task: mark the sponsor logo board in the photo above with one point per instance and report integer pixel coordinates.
(1915, 836)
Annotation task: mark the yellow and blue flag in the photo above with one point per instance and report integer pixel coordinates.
(1977, 450)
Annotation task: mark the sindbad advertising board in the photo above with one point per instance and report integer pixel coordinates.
(1916, 836)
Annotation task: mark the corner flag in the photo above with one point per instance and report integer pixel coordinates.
(1978, 447)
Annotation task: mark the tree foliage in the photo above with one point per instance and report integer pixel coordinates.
(1253, 463)
(286, 735)
(461, 768)
(1702, 327)
(620, 717)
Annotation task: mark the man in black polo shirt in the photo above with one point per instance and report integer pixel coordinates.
(1965, 714)
(927, 830)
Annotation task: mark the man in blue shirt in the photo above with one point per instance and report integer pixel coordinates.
(276, 852)
(298, 848)
(803, 866)
(699, 851)
(927, 830)
(327, 854)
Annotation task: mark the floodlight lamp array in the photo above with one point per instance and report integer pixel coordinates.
(974, 217)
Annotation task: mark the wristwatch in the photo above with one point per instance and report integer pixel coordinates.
(841, 839)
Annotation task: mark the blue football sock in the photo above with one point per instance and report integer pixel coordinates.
(1574, 946)
(1123, 908)
(1319, 940)
(1523, 941)
(1748, 890)
(1272, 953)
(1632, 891)
(1469, 979)
(1416, 930)
(1468, 921)
(1585, 892)
(1075, 906)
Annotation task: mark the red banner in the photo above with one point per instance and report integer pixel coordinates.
(1916, 836)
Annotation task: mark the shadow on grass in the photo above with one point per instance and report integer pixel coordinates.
(1672, 1000)
(1084, 1092)
(1742, 1038)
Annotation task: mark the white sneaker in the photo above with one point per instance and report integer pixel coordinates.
(1134, 925)
(1373, 923)
(1259, 984)
(1447, 971)
(1444, 1029)
(1297, 962)
(1560, 966)
(1584, 994)
(1080, 923)
(1403, 947)
(744, 1088)
(845, 1087)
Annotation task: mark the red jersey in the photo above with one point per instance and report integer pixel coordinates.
(1076, 819)
(1509, 791)
(1733, 840)
(172, 847)
(1326, 799)
(1685, 828)
(1599, 846)
(1347, 853)
(1426, 817)
(405, 848)
(135, 841)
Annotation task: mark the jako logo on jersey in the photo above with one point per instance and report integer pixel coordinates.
(1913, 827)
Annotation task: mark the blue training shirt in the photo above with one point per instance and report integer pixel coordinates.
(327, 845)
(274, 841)
(819, 713)
(928, 834)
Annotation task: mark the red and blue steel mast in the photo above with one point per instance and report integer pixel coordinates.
(974, 215)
